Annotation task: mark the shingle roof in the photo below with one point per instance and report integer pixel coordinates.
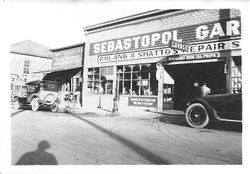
(32, 48)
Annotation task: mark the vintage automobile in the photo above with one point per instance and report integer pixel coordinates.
(40, 94)
(217, 107)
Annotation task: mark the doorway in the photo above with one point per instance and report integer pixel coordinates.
(185, 74)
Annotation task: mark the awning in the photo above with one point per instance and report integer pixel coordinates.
(60, 73)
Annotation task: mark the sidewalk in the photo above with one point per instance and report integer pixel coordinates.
(128, 112)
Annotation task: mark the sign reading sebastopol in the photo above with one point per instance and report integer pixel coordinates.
(157, 44)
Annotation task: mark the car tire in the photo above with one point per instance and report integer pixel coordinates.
(54, 107)
(16, 104)
(197, 116)
(34, 104)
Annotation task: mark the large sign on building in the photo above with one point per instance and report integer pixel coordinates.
(68, 57)
(218, 36)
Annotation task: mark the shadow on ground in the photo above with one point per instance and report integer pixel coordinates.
(17, 112)
(146, 154)
(39, 156)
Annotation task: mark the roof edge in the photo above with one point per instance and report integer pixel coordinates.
(67, 47)
(130, 18)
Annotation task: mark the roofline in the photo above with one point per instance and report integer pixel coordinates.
(68, 47)
(130, 18)
(28, 54)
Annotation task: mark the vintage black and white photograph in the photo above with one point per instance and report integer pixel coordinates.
(98, 83)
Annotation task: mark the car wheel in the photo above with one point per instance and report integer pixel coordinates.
(54, 107)
(197, 116)
(34, 104)
(16, 104)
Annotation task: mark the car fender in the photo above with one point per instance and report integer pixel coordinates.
(211, 111)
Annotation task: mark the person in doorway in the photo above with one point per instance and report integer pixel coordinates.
(197, 91)
(205, 90)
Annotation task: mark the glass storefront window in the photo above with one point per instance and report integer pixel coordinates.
(100, 80)
(138, 80)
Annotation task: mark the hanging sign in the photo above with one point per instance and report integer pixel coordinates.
(179, 45)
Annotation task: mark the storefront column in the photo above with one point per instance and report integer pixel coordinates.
(228, 71)
(159, 76)
(115, 86)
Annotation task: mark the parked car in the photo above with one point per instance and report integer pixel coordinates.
(40, 94)
(218, 107)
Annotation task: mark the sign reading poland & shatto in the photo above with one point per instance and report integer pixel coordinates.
(218, 37)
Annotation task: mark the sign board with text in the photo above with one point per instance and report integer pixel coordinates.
(215, 31)
(68, 57)
(164, 52)
(142, 101)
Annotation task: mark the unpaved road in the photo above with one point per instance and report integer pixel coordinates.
(148, 138)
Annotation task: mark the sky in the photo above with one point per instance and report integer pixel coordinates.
(59, 23)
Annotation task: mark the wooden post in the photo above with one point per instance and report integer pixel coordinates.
(228, 72)
(160, 78)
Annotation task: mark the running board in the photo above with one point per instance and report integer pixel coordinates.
(228, 120)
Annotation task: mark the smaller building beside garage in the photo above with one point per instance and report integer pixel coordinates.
(27, 57)
(67, 69)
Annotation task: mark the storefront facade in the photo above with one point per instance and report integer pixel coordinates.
(132, 60)
(67, 65)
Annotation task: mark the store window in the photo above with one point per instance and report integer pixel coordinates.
(236, 75)
(100, 80)
(137, 79)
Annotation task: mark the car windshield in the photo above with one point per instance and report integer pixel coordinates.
(49, 86)
(33, 88)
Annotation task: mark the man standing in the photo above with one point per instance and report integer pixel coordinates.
(197, 91)
(205, 90)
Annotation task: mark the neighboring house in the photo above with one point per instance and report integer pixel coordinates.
(27, 57)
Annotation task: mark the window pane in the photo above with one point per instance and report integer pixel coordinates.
(135, 87)
(90, 70)
(126, 89)
(90, 77)
(120, 76)
(127, 76)
(136, 67)
(145, 75)
(136, 76)
(96, 70)
(96, 88)
(110, 87)
(145, 87)
(119, 68)
(120, 87)
(153, 87)
(96, 77)
(127, 69)
(145, 67)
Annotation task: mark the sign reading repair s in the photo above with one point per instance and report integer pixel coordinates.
(211, 31)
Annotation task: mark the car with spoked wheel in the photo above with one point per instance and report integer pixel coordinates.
(40, 94)
(218, 107)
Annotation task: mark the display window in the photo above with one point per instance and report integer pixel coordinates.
(137, 79)
(100, 80)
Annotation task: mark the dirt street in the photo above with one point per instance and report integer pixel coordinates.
(146, 138)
